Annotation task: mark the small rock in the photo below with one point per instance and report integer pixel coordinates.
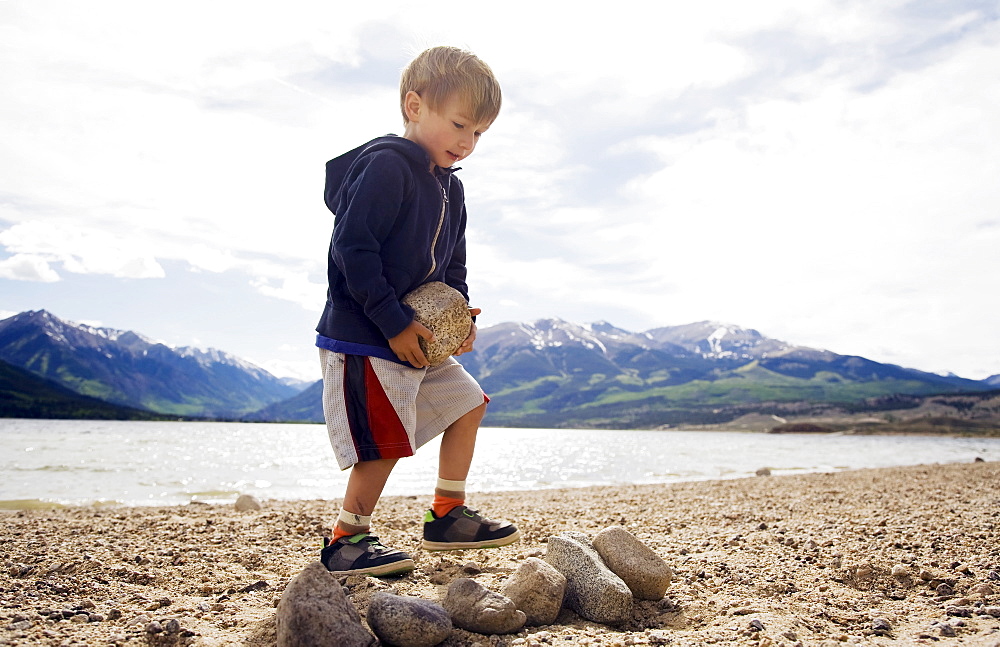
(638, 565)
(959, 612)
(172, 626)
(982, 589)
(80, 617)
(314, 611)
(947, 630)
(992, 611)
(764, 471)
(537, 589)
(407, 621)
(475, 608)
(137, 620)
(247, 503)
(592, 590)
(658, 638)
(901, 571)
(944, 591)
(756, 625)
(881, 626)
(154, 627)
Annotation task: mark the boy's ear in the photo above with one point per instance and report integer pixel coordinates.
(412, 105)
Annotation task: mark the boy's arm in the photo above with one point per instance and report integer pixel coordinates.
(374, 196)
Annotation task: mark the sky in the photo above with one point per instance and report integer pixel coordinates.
(822, 172)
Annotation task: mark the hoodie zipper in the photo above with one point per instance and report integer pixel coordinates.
(437, 233)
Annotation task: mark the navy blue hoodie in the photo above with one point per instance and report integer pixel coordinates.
(397, 225)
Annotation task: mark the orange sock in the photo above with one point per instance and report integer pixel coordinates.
(339, 532)
(444, 504)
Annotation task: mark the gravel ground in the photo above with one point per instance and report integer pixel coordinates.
(895, 556)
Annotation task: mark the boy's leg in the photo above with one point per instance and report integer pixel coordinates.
(364, 488)
(458, 444)
(450, 525)
(354, 551)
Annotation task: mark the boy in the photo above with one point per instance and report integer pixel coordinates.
(400, 222)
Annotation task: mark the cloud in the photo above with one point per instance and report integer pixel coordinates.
(821, 170)
(27, 267)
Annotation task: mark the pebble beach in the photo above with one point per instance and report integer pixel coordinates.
(891, 556)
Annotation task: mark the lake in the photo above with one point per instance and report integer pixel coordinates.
(167, 463)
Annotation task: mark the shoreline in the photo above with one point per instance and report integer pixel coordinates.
(810, 559)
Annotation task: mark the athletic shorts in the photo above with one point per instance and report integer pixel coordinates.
(377, 409)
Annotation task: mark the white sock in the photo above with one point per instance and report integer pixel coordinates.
(450, 486)
(353, 519)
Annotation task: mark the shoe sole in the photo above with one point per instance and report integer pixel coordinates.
(382, 570)
(466, 545)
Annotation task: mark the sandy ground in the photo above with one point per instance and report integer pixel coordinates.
(899, 556)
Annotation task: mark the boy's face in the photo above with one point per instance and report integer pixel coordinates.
(448, 134)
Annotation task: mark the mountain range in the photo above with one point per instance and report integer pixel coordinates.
(550, 373)
(127, 369)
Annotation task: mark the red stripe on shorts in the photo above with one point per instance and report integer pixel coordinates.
(386, 429)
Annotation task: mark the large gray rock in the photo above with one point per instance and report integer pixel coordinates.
(407, 622)
(473, 607)
(638, 565)
(592, 589)
(536, 588)
(314, 611)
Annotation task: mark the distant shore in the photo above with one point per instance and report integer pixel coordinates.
(891, 556)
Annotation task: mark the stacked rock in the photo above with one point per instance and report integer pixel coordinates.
(475, 608)
(314, 611)
(402, 620)
(598, 579)
(638, 565)
(537, 589)
(604, 576)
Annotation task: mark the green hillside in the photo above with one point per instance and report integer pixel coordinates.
(24, 395)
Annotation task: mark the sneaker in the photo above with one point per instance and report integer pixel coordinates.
(465, 528)
(362, 554)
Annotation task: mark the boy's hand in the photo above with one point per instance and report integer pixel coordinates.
(406, 345)
(466, 346)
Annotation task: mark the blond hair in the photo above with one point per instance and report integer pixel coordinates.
(440, 73)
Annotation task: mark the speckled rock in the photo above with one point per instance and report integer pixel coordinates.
(314, 611)
(592, 590)
(445, 312)
(473, 607)
(537, 588)
(638, 565)
(406, 621)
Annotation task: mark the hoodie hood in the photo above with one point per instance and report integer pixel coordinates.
(338, 169)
